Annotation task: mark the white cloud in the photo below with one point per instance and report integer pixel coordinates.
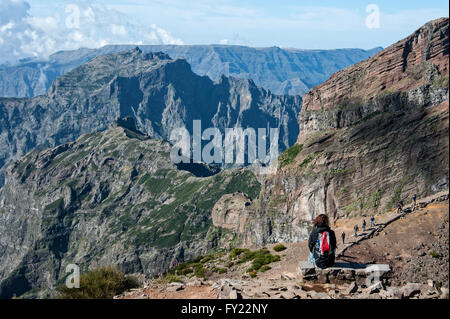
(75, 25)
(160, 35)
(118, 30)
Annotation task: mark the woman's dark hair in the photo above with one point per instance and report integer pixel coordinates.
(322, 219)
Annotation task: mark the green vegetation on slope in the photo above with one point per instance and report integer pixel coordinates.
(288, 156)
(102, 283)
(117, 192)
(258, 258)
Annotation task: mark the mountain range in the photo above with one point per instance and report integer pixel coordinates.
(112, 197)
(83, 187)
(159, 93)
(282, 71)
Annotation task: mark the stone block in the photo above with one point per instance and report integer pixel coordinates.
(306, 268)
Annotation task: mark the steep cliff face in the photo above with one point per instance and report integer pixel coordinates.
(282, 71)
(110, 198)
(373, 134)
(406, 65)
(159, 93)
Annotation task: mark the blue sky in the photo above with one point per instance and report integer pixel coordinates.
(320, 24)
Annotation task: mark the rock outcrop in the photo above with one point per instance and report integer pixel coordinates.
(228, 212)
(410, 73)
(373, 134)
(159, 93)
(344, 273)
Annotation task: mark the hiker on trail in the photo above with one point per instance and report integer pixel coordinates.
(322, 243)
(372, 221)
(399, 207)
(343, 237)
(414, 201)
(364, 225)
(356, 231)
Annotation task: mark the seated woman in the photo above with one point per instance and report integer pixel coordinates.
(322, 243)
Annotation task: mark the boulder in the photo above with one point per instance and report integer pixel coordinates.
(344, 272)
(174, 288)
(352, 288)
(411, 289)
(377, 287)
(392, 293)
(235, 294)
(444, 293)
(320, 295)
(306, 268)
(289, 295)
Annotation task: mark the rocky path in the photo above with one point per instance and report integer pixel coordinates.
(283, 281)
(390, 218)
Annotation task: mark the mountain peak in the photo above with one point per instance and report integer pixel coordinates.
(403, 66)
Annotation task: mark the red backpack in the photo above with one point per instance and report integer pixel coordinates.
(324, 243)
(323, 255)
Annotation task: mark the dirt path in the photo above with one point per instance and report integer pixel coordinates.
(415, 254)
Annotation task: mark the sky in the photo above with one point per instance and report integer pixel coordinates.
(38, 28)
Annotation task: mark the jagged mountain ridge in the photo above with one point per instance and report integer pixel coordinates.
(282, 71)
(159, 93)
(373, 134)
(109, 198)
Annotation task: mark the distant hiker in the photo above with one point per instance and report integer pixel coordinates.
(356, 231)
(343, 237)
(414, 201)
(372, 221)
(364, 225)
(399, 207)
(322, 243)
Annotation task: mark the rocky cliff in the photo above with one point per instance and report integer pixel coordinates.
(282, 71)
(373, 134)
(112, 197)
(158, 92)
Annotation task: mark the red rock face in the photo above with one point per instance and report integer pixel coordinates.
(401, 67)
(372, 135)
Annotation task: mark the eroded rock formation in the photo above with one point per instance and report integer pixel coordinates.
(373, 134)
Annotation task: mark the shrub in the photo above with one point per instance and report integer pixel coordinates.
(220, 270)
(434, 254)
(197, 259)
(235, 252)
(262, 257)
(186, 271)
(259, 258)
(206, 259)
(102, 283)
(173, 278)
(195, 266)
(288, 156)
(309, 159)
(279, 247)
(265, 268)
(199, 271)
